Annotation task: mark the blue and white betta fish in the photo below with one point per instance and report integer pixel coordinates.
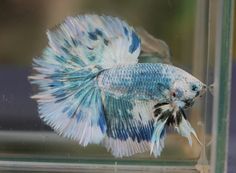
(92, 88)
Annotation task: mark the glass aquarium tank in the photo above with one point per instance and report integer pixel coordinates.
(198, 33)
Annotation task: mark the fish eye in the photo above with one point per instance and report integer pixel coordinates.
(174, 94)
(194, 87)
(178, 93)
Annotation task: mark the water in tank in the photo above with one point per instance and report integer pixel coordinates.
(191, 31)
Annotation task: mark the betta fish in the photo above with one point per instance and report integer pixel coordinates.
(93, 89)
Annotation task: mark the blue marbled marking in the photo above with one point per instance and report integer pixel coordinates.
(65, 50)
(66, 108)
(106, 42)
(163, 133)
(59, 93)
(120, 122)
(74, 41)
(135, 42)
(71, 112)
(56, 84)
(126, 32)
(67, 44)
(98, 32)
(92, 35)
(101, 120)
(140, 81)
(91, 58)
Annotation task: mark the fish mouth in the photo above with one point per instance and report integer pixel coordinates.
(190, 102)
(203, 90)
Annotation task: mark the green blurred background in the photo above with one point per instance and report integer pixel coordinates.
(23, 23)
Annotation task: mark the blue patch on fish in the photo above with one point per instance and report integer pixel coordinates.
(135, 42)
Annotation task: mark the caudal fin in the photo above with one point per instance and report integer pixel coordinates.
(69, 99)
(70, 103)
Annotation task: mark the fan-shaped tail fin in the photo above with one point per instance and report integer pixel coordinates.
(70, 102)
(69, 99)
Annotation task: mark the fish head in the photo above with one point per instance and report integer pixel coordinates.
(185, 89)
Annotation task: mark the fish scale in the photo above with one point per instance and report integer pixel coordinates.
(139, 81)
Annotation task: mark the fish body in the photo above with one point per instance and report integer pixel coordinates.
(144, 81)
(93, 89)
(139, 81)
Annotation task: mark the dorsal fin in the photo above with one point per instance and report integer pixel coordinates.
(153, 49)
(95, 40)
